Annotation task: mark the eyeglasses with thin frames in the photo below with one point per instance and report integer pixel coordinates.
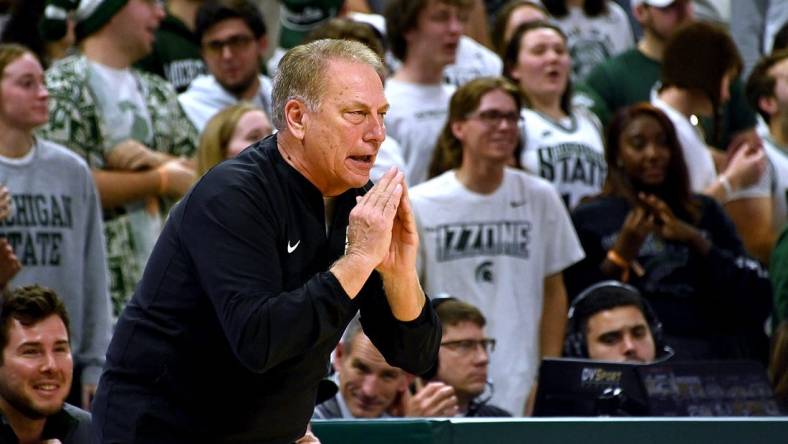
(494, 117)
(234, 43)
(468, 346)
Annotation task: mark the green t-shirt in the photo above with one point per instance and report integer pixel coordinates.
(629, 77)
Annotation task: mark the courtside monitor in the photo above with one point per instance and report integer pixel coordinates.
(709, 388)
(580, 387)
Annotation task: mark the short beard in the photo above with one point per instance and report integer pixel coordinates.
(240, 88)
(24, 405)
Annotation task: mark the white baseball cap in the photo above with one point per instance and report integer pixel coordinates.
(657, 3)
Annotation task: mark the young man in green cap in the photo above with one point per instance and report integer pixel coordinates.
(126, 124)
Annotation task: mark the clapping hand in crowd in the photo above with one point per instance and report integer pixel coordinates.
(654, 216)
(436, 399)
(745, 166)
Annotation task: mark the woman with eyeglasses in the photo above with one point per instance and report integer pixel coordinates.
(678, 248)
(562, 143)
(496, 235)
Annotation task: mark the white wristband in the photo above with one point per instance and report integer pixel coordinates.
(726, 185)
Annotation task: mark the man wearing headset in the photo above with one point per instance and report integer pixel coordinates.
(463, 360)
(610, 321)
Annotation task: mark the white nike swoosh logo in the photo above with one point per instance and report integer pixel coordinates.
(291, 248)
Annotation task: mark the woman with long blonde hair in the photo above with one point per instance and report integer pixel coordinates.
(230, 131)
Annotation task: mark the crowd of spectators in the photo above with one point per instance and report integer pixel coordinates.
(567, 153)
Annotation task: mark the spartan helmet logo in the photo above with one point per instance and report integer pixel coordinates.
(483, 272)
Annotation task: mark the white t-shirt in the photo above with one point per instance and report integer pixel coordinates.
(569, 153)
(415, 120)
(697, 156)
(494, 252)
(473, 60)
(205, 97)
(593, 40)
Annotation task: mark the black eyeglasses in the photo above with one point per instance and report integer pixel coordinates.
(467, 346)
(234, 43)
(493, 117)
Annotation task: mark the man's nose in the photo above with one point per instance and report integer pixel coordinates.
(226, 52)
(481, 356)
(376, 131)
(369, 386)
(49, 363)
(628, 345)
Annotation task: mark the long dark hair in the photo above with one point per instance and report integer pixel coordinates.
(513, 51)
(466, 100)
(697, 56)
(675, 190)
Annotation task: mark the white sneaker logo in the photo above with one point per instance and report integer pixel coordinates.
(291, 248)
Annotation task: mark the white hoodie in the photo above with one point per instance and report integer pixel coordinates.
(205, 97)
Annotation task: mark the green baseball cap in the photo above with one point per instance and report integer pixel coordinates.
(298, 17)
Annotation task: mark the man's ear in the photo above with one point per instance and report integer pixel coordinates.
(295, 119)
(768, 104)
(339, 354)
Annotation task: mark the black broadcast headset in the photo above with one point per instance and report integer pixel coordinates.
(575, 345)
